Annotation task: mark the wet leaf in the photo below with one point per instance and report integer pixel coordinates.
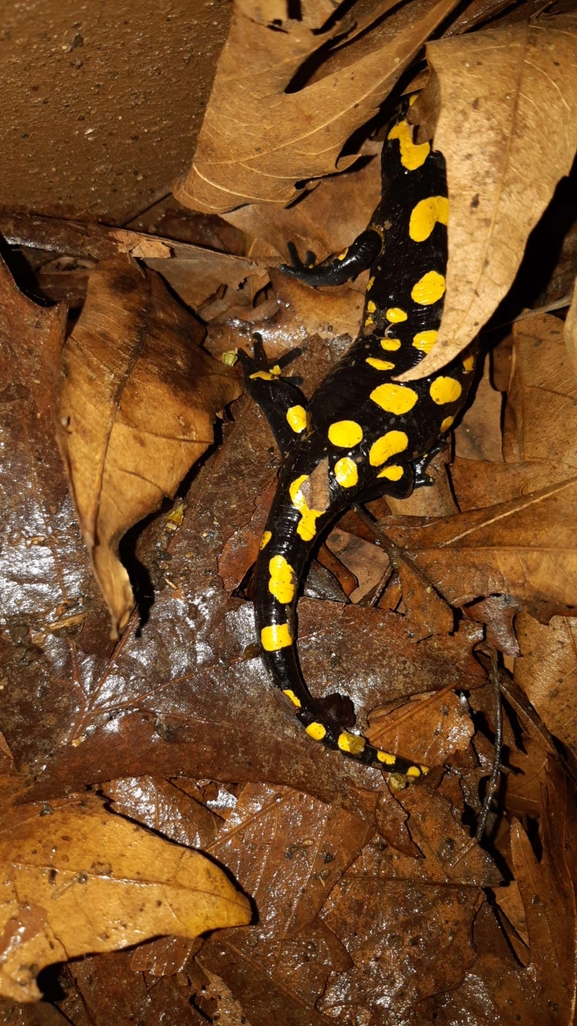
(78, 880)
(136, 410)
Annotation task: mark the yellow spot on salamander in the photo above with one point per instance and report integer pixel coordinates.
(382, 365)
(393, 473)
(268, 375)
(369, 322)
(425, 340)
(424, 217)
(468, 364)
(392, 398)
(265, 540)
(345, 433)
(306, 527)
(412, 155)
(351, 743)
(297, 418)
(346, 472)
(276, 636)
(386, 446)
(447, 423)
(342, 254)
(370, 284)
(390, 344)
(428, 289)
(282, 579)
(413, 771)
(316, 731)
(371, 307)
(290, 694)
(229, 358)
(445, 390)
(389, 760)
(394, 314)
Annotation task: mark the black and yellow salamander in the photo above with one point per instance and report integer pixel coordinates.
(362, 435)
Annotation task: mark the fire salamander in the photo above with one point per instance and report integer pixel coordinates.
(363, 434)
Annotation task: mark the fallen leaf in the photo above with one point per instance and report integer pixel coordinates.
(570, 331)
(547, 887)
(78, 880)
(508, 131)
(310, 224)
(541, 411)
(524, 548)
(478, 435)
(547, 672)
(137, 406)
(438, 725)
(243, 157)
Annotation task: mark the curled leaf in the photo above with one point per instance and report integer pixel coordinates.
(508, 132)
(136, 410)
(258, 138)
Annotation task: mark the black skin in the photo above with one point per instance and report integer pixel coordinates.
(396, 263)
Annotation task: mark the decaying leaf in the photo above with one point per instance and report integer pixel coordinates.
(257, 139)
(547, 672)
(541, 415)
(137, 407)
(570, 331)
(77, 879)
(548, 893)
(525, 548)
(508, 132)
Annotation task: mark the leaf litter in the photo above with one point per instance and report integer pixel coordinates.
(369, 904)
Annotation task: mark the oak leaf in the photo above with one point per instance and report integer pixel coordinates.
(78, 879)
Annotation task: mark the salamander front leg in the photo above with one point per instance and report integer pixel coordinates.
(281, 401)
(338, 268)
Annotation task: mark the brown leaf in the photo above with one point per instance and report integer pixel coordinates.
(136, 410)
(437, 725)
(524, 548)
(243, 157)
(78, 879)
(548, 892)
(570, 331)
(478, 436)
(508, 131)
(311, 223)
(547, 673)
(541, 415)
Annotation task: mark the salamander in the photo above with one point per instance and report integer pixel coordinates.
(363, 434)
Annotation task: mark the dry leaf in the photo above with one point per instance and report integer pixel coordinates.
(547, 672)
(258, 140)
(541, 415)
(570, 331)
(508, 132)
(77, 879)
(548, 892)
(478, 436)
(524, 548)
(137, 406)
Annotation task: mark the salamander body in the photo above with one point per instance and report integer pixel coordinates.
(362, 435)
